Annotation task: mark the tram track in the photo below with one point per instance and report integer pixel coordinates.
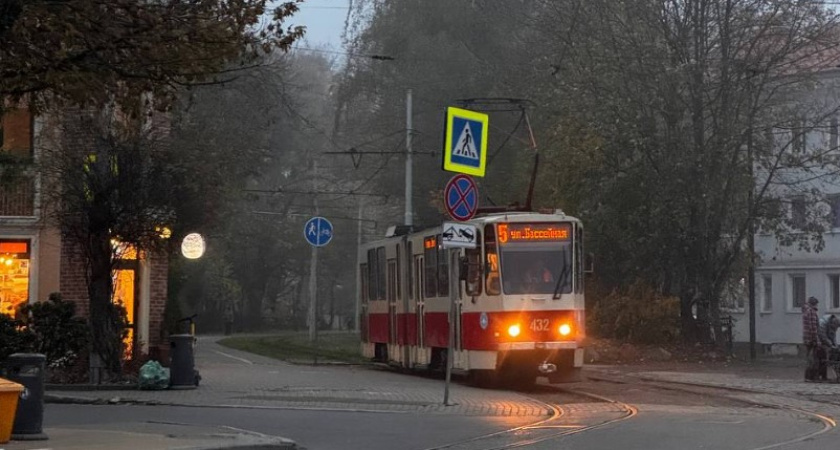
(595, 411)
(828, 422)
(563, 422)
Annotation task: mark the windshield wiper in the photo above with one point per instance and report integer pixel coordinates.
(563, 274)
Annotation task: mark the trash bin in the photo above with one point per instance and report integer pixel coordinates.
(27, 369)
(9, 393)
(182, 366)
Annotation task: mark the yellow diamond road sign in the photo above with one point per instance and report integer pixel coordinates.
(465, 142)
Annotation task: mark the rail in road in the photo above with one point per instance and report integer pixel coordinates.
(593, 412)
(581, 411)
(825, 419)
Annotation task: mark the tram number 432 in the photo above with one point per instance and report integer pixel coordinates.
(539, 325)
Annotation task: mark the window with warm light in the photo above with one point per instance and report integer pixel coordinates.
(14, 275)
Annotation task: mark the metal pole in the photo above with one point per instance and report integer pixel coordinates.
(313, 272)
(453, 297)
(359, 292)
(751, 245)
(313, 291)
(409, 216)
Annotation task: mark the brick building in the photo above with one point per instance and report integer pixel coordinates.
(34, 259)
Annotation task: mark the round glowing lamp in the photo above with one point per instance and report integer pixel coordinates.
(193, 246)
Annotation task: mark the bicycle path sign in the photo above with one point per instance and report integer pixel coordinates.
(318, 231)
(465, 141)
(461, 197)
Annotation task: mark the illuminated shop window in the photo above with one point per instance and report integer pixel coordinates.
(124, 284)
(14, 275)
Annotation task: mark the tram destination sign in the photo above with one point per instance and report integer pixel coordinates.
(458, 235)
(534, 232)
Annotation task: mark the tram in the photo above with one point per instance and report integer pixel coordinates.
(519, 305)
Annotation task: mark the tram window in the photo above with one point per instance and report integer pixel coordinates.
(578, 259)
(380, 263)
(392, 280)
(399, 274)
(409, 282)
(491, 269)
(472, 277)
(430, 266)
(372, 272)
(363, 282)
(443, 270)
(418, 263)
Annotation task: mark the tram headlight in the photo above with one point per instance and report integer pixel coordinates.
(565, 329)
(514, 330)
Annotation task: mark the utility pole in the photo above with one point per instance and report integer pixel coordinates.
(751, 244)
(359, 292)
(312, 317)
(409, 216)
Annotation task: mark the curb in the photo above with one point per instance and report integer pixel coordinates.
(649, 379)
(90, 387)
(268, 443)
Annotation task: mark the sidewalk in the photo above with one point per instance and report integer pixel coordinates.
(235, 379)
(776, 376)
(151, 436)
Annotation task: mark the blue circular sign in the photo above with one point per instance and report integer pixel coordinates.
(318, 231)
(461, 197)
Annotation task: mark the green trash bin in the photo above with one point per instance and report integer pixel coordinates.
(182, 373)
(27, 369)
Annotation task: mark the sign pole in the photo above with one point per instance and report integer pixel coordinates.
(453, 297)
(409, 215)
(318, 231)
(313, 291)
(357, 317)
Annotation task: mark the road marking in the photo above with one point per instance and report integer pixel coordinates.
(234, 357)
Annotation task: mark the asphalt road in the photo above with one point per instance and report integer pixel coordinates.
(312, 429)
(663, 419)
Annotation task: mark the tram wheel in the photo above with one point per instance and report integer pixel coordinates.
(484, 378)
(380, 353)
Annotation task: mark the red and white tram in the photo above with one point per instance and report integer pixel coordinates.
(519, 306)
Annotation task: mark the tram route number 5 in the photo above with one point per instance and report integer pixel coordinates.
(539, 325)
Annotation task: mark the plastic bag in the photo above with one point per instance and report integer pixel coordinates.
(153, 376)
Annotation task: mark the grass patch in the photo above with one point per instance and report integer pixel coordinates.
(295, 347)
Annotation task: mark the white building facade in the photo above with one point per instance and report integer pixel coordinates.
(786, 275)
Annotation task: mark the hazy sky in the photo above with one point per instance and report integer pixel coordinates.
(324, 21)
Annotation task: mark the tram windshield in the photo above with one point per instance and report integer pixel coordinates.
(537, 270)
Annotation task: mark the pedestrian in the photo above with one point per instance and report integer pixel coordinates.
(810, 325)
(827, 334)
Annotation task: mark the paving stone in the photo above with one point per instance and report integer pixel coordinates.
(231, 378)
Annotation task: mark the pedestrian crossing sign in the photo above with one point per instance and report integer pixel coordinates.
(465, 142)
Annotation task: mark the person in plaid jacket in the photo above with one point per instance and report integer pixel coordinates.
(810, 325)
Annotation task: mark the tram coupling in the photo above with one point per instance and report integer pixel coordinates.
(546, 368)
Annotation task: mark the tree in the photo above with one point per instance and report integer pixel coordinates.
(691, 98)
(668, 126)
(115, 176)
(261, 131)
(110, 180)
(93, 52)
(472, 51)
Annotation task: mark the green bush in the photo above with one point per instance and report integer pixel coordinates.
(14, 338)
(57, 332)
(640, 315)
